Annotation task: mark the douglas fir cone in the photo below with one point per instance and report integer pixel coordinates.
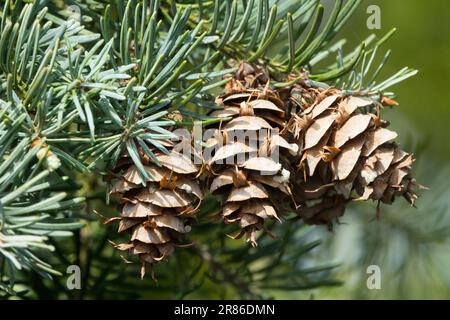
(158, 210)
(347, 153)
(247, 162)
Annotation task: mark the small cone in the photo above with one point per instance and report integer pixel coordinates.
(247, 153)
(158, 212)
(347, 153)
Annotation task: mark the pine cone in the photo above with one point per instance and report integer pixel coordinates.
(347, 154)
(159, 212)
(247, 153)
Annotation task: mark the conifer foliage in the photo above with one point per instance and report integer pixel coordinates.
(102, 89)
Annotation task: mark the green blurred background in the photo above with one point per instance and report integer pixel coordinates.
(411, 246)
